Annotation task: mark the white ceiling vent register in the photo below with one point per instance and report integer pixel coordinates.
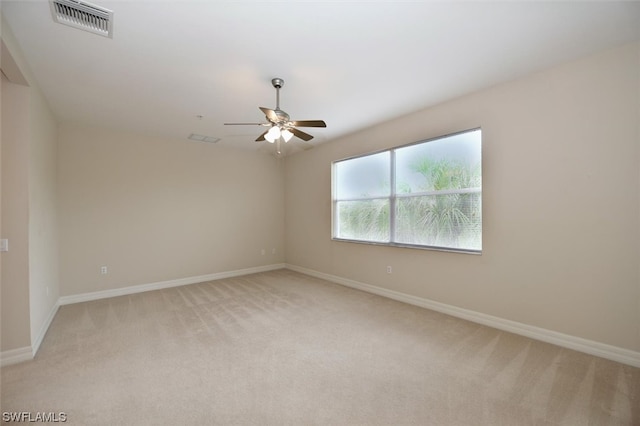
(84, 16)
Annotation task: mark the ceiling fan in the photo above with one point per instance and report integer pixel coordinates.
(281, 127)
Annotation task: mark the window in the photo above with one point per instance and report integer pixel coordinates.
(426, 195)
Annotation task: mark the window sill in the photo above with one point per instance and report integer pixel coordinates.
(409, 246)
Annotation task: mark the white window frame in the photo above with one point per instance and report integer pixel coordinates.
(392, 197)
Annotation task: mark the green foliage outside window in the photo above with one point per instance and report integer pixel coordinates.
(443, 220)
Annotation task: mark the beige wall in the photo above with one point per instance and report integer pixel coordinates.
(29, 279)
(560, 203)
(43, 221)
(14, 284)
(154, 210)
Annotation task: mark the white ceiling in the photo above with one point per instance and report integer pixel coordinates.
(349, 63)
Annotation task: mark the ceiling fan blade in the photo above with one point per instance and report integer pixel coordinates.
(244, 124)
(261, 137)
(300, 134)
(309, 123)
(269, 113)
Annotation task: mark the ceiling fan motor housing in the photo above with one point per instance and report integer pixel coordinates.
(283, 117)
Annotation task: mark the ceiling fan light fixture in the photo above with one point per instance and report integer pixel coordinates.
(286, 135)
(273, 134)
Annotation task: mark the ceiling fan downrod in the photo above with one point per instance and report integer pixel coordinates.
(277, 83)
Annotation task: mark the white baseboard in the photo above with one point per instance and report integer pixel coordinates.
(96, 295)
(590, 347)
(45, 326)
(15, 356)
(27, 353)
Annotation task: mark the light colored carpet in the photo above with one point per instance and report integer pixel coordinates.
(283, 348)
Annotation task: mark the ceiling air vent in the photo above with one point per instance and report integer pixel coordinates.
(84, 16)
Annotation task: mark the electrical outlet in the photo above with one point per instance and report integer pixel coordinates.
(389, 269)
(103, 270)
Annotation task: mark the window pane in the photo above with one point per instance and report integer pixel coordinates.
(450, 221)
(363, 220)
(452, 162)
(363, 177)
(436, 195)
